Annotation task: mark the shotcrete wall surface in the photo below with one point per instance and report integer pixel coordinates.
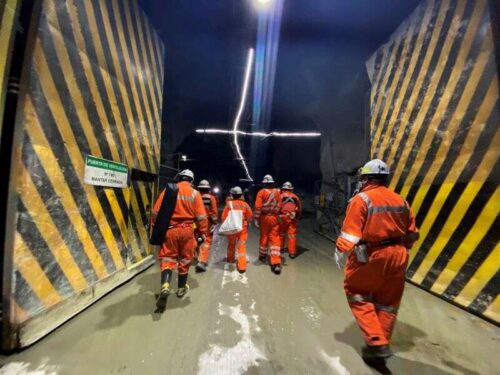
(435, 120)
(93, 87)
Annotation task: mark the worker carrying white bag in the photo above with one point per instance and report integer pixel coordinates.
(233, 223)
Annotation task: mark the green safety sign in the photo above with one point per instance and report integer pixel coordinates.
(102, 172)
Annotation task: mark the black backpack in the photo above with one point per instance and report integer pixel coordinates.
(164, 214)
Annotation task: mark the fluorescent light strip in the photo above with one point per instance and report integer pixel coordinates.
(243, 99)
(259, 134)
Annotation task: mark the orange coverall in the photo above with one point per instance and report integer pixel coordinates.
(179, 245)
(291, 209)
(267, 208)
(238, 241)
(210, 204)
(383, 221)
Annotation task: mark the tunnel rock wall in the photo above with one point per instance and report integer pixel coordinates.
(435, 120)
(93, 87)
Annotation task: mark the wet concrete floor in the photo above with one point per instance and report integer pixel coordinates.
(257, 323)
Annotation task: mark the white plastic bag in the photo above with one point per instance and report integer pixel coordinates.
(233, 223)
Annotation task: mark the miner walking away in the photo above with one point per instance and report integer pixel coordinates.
(266, 214)
(377, 232)
(178, 247)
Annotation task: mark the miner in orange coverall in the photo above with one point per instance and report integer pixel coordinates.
(178, 248)
(291, 210)
(378, 230)
(267, 208)
(210, 204)
(238, 242)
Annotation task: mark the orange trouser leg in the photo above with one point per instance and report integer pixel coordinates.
(231, 247)
(388, 297)
(283, 232)
(241, 248)
(373, 296)
(187, 247)
(274, 238)
(205, 249)
(169, 251)
(264, 236)
(292, 237)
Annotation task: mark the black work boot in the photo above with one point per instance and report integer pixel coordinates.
(201, 267)
(379, 351)
(183, 287)
(166, 276)
(263, 258)
(276, 269)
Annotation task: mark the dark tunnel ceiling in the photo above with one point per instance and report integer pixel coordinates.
(320, 70)
(203, 38)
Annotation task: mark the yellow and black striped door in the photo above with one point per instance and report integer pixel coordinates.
(435, 121)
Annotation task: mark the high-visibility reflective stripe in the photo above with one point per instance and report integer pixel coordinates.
(366, 199)
(275, 252)
(382, 209)
(291, 235)
(389, 309)
(241, 255)
(201, 217)
(358, 298)
(186, 199)
(168, 259)
(185, 261)
(350, 237)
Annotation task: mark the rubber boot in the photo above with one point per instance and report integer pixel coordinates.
(276, 269)
(381, 351)
(201, 267)
(166, 276)
(183, 287)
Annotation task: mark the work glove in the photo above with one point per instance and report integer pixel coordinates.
(292, 215)
(256, 223)
(341, 258)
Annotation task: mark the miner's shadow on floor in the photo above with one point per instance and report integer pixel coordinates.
(405, 338)
(144, 301)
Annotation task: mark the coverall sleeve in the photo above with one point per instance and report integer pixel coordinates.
(299, 206)
(200, 215)
(354, 222)
(412, 233)
(258, 205)
(157, 206)
(248, 213)
(213, 210)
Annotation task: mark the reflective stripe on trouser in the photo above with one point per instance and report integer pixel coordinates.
(238, 242)
(374, 291)
(177, 249)
(288, 230)
(205, 249)
(269, 236)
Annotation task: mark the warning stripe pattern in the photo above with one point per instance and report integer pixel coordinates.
(435, 120)
(92, 90)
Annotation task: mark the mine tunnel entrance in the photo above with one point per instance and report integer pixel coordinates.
(104, 102)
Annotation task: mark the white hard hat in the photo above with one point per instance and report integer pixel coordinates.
(287, 186)
(204, 184)
(236, 191)
(268, 179)
(375, 166)
(187, 173)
